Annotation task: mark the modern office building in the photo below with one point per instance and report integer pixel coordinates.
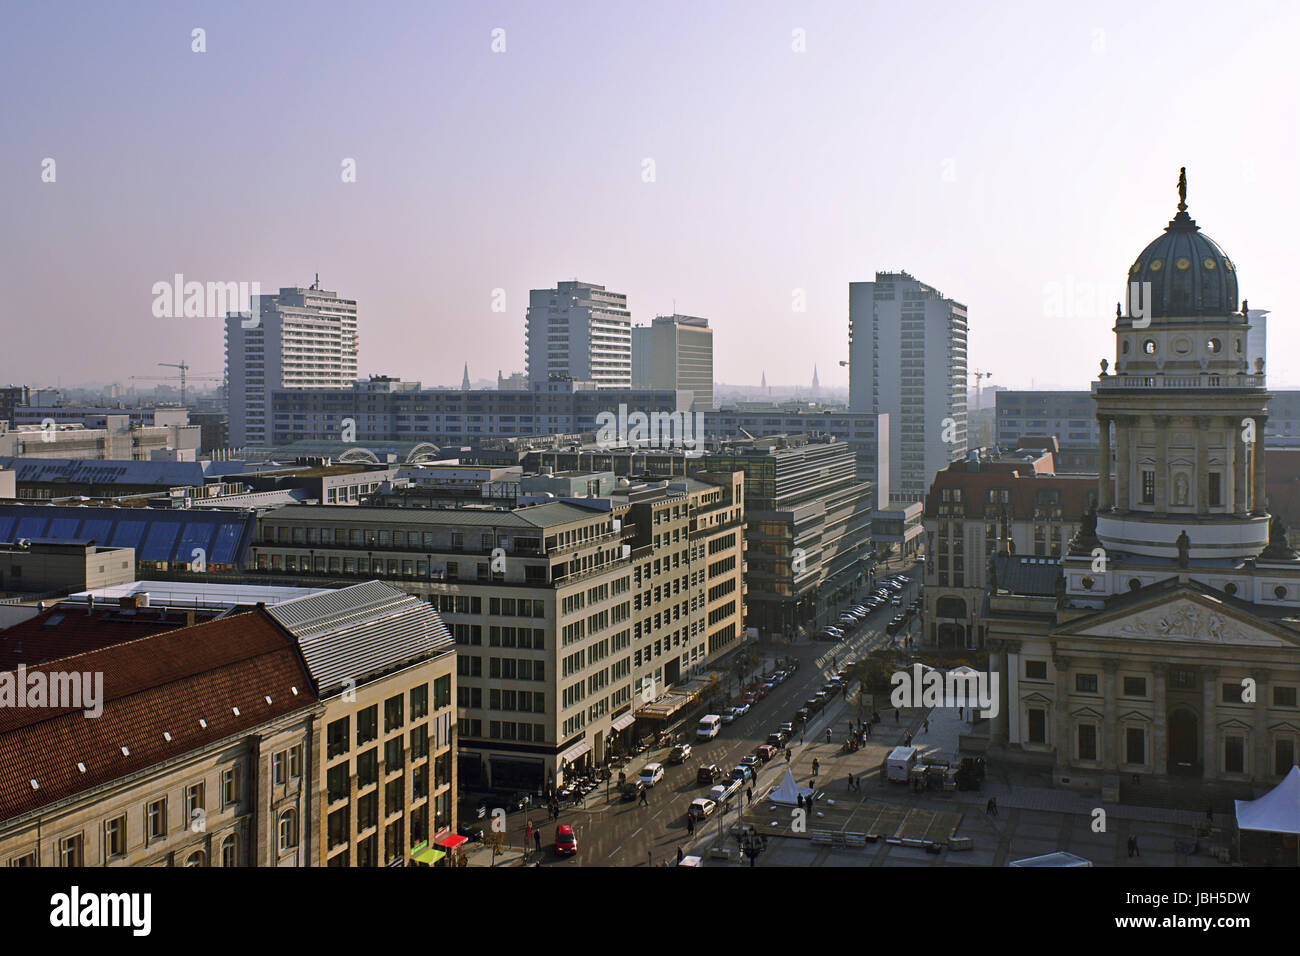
(866, 433)
(384, 776)
(109, 436)
(387, 410)
(579, 331)
(808, 528)
(907, 359)
(675, 351)
(568, 615)
(298, 339)
(1165, 642)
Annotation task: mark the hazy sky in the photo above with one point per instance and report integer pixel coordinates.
(1017, 156)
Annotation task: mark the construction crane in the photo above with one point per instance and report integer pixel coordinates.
(183, 377)
(979, 377)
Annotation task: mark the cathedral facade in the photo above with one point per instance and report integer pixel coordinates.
(1166, 642)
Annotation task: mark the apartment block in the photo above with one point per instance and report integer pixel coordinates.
(579, 331)
(299, 339)
(907, 359)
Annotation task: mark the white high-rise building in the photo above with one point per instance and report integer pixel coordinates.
(675, 351)
(907, 359)
(580, 331)
(302, 338)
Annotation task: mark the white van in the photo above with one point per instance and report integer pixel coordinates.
(708, 727)
(899, 765)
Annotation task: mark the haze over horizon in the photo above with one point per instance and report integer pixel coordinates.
(894, 141)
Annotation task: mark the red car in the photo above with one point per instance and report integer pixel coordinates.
(764, 690)
(750, 698)
(566, 844)
(765, 752)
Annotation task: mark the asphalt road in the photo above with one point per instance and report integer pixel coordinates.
(627, 834)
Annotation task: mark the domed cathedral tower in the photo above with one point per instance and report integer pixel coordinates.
(1183, 415)
(1168, 645)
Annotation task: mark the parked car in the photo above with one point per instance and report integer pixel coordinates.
(896, 602)
(751, 761)
(701, 807)
(728, 715)
(566, 842)
(765, 689)
(519, 801)
(742, 772)
(786, 729)
(801, 716)
(776, 739)
(632, 789)
(679, 753)
(722, 792)
(749, 699)
(766, 752)
(741, 709)
(651, 774)
(708, 774)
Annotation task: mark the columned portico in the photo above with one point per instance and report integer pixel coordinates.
(1103, 463)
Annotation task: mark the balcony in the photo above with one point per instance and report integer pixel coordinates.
(1160, 380)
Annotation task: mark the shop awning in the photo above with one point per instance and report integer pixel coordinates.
(624, 722)
(428, 856)
(574, 752)
(453, 841)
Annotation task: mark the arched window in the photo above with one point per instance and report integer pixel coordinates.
(288, 830)
(230, 851)
(197, 858)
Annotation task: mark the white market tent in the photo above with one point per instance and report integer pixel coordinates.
(1277, 811)
(788, 792)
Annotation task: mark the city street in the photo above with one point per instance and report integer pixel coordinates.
(613, 833)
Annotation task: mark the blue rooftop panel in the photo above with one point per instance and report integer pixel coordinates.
(159, 543)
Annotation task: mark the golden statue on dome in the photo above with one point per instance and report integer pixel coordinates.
(1182, 189)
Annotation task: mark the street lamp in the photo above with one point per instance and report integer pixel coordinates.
(752, 844)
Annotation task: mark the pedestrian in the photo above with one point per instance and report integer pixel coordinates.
(816, 765)
(907, 739)
(1136, 851)
(528, 832)
(991, 808)
(680, 855)
(644, 802)
(690, 824)
(799, 800)
(926, 726)
(895, 715)
(787, 755)
(537, 839)
(749, 795)
(1128, 845)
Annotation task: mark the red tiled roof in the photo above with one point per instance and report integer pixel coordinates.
(67, 630)
(1023, 485)
(163, 683)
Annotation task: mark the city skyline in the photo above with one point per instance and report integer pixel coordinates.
(769, 190)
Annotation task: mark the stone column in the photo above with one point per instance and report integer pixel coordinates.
(1209, 720)
(1261, 769)
(998, 735)
(1061, 740)
(1161, 423)
(1260, 494)
(1203, 424)
(1238, 472)
(1109, 739)
(1158, 746)
(1123, 435)
(1103, 463)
